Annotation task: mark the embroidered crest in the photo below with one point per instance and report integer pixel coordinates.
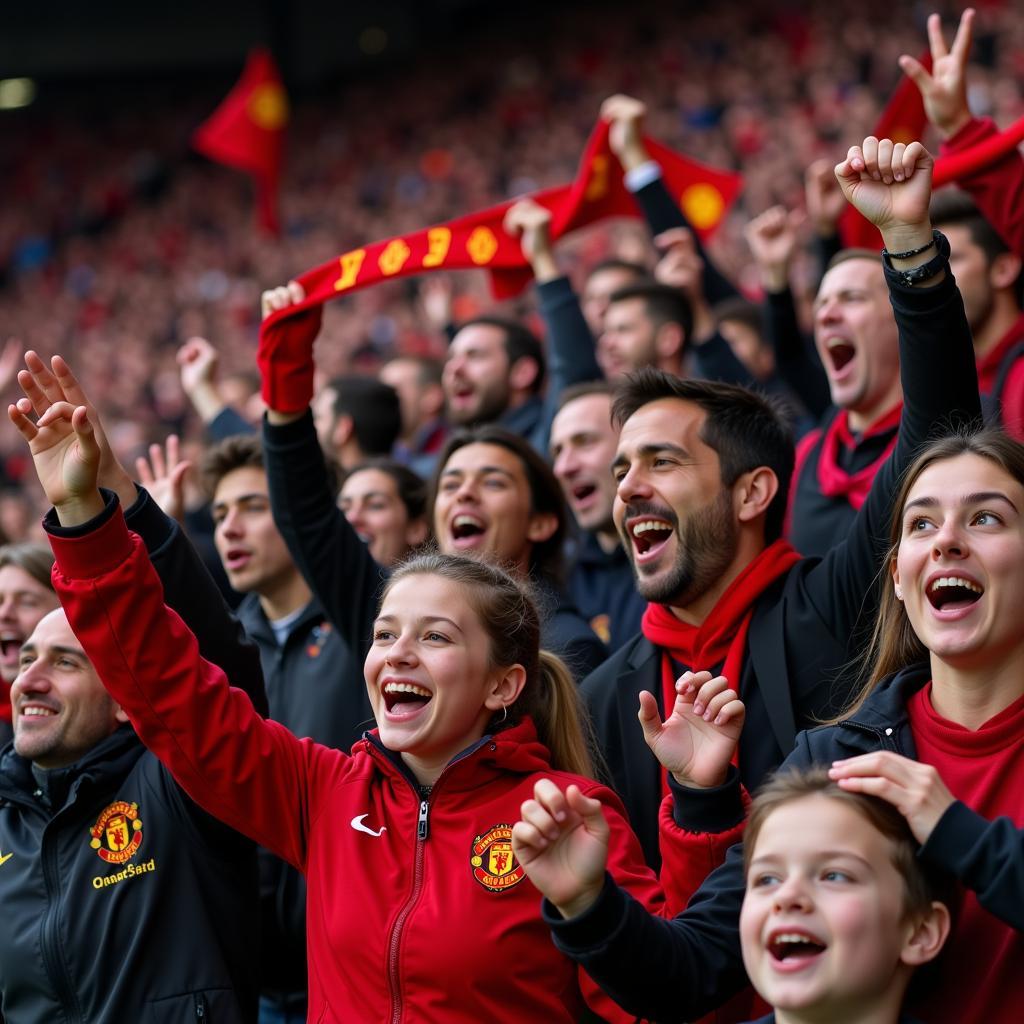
(494, 864)
(117, 834)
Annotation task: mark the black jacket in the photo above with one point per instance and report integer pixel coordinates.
(807, 626)
(679, 969)
(340, 570)
(167, 933)
(604, 590)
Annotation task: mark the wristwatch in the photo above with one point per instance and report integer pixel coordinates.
(926, 270)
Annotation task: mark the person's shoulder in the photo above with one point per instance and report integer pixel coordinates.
(634, 654)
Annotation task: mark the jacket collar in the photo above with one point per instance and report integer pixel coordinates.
(886, 706)
(250, 613)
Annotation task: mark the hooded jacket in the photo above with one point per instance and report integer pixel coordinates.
(418, 910)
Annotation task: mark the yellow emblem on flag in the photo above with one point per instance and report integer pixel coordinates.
(393, 258)
(481, 245)
(703, 205)
(268, 106)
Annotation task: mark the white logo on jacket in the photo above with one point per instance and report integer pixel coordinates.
(357, 824)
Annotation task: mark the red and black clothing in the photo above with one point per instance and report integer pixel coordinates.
(418, 911)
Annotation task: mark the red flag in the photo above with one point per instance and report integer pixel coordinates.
(247, 131)
(903, 120)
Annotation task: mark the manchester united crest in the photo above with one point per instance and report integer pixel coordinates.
(494, 864)
(117, 834)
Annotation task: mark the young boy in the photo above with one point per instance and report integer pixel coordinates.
(838, 911)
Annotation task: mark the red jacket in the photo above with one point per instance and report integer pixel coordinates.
(416, 910)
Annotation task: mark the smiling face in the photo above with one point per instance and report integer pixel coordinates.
(429, 676)
(61, 710)
(583, 443)
(675, 518)
(370, 501)
(823, 925)
(23, 602)
(483, 507)
(476, 375)
(855, 334)
(253, 552)
(959, 569)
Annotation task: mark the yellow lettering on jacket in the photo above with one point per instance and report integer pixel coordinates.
(132, 871)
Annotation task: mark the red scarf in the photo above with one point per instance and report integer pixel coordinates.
(722, 636)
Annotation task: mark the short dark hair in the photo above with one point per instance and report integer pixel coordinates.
(746, 429)
(951, 206)
(663, 304)
(584, 389)
(520, 343)
(617, 263)
(374, 409)
(545, 491)
(31, 557)
(740, 310)
(411, 487)
(239, 451)
(429, 370)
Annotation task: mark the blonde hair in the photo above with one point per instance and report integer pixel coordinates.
(509, 617)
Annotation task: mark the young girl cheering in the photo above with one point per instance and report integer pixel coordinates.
(417, 907)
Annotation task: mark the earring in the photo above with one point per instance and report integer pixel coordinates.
(899, 593)
(504, 714)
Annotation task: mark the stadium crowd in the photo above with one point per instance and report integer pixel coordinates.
(767, 491)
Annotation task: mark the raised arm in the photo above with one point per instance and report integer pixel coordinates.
(335, 563)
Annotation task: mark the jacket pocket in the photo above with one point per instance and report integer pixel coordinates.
(206, 1006)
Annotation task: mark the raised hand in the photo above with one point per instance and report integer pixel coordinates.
(531, 222)
(625, 116)
(163, 475)
(890, 184)
(436, 301)
(824, 198)
(772, 237)
(944, 90)
(10, 360)
(680, 264)
(698, 739)
(46, 386)
(916, 790)
(562, 844)
(66, 457)
(285, 353)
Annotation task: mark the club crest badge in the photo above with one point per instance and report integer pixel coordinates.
(494, 864)
(117, 834)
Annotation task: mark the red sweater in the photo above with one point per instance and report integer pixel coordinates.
(417, 911)
(985, 770)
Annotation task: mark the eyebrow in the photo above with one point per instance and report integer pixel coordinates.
(979, 497)
(481, 471)
(76, 652)
(772, 858)
(647, 450)
(241, 499)
(364, 497)
(423, 621)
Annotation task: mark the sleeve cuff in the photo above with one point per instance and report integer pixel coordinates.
(642, 176)
(708, 810)
(281, 435)
(954, 838)
(594, 926)
(976, 130)
(90, 549)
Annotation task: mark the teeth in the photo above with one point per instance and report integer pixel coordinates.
(407, 688)
(836, 342)
(649, 524)
(37, 712)
(793, 937)
(955, 581)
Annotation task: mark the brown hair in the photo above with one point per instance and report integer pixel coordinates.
(509, 617)
(894, 645)
(921, 885)
(240, 451)
(35, 559)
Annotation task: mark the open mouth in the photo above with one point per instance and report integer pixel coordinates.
(402, 700)
(649, 534)
(236, 559)
(584, 491)
(794, 946)
(37, 711)
(466, 528)
(952, 592)
(10, 649)
(840, 352)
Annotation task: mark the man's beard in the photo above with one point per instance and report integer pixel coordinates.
(491, 405)
(706, 546)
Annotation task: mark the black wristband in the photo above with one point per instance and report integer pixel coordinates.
(911, 252)
(925, 271)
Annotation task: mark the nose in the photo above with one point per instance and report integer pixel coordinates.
(230, 525)
(791, 894)
(354, 515)
(950, 540)
(828, 311)
(31, 679)
(566, 464)
(633, 485)
(7, 607)
(402, 651)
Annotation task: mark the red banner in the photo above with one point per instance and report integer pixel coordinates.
(479, 241)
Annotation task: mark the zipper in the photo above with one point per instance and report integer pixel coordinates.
(49, 944)
(201, 1007)
(426, 795)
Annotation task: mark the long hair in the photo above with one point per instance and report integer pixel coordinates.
(894, 645)
(509, 617)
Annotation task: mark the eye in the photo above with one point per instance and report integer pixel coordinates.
(763, 880)
(917, 525)
(382, 636)
(448, 485)
(25, 660)
(835, 875)
(987, 519)
(437, 638)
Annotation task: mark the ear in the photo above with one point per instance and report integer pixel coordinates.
(754, 492)
(523, 373)
(120, 716)
(416, 532)
(541, 526)
(1005, 270)
(894, 569)
(506, 686)
(926, 936)
(668, 341)
(342, 432)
